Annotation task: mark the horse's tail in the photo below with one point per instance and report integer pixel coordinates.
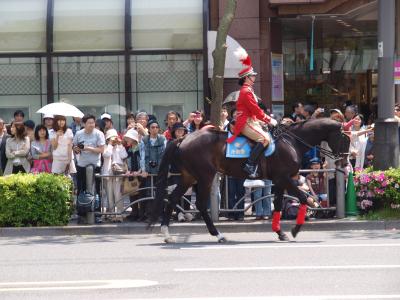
(162, 182)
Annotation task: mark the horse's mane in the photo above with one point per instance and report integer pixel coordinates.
(303, 123)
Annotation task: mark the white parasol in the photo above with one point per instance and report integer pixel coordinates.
(61, 109)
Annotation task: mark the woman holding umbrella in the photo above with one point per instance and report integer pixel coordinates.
(62, 139)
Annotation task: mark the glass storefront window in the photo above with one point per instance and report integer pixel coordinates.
(167, 82)
(160, 24)
(345, 59)
(88, 25)
(95, 84)
(22, 86)
(23, 25)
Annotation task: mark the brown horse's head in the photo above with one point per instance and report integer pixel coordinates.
(339, 142)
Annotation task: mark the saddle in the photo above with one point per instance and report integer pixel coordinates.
(241, 147)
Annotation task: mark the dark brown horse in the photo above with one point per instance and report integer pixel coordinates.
(201, 155)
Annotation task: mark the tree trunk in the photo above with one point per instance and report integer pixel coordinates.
(217, 81)
(217, 89)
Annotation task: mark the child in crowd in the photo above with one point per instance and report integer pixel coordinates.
(114, 164)
(301, 183)
(316, 182)
(41, 151)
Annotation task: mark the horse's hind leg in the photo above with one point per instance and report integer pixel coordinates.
(276, 217)
(201, 204)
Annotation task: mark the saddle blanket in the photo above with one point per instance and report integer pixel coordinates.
(240, 148)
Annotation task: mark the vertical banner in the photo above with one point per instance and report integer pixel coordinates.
(397, 72)
(277, 93)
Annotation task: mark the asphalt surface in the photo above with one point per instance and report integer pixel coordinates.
(198, 227)
(361, 264)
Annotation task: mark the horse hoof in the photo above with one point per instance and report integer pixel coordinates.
(283, 237)
(169, 240)
(222, 240)
(295, 230)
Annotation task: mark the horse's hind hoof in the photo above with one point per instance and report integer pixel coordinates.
(282, 236)
(295, 230)
(169, 240)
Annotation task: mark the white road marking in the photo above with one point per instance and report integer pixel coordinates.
(287, 268)
(73, 285)
(311, 297)
(287, 245)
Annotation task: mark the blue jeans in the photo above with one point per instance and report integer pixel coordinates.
(263, 207)
(236, 192)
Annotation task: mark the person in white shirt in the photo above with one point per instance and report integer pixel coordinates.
(49, 122)
(114, 163)
(61, 142)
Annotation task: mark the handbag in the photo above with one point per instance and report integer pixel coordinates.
(130, 186)
(119, 169)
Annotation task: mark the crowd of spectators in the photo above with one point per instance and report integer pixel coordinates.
(136, 151)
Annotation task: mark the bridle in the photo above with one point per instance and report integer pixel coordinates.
(281, 130)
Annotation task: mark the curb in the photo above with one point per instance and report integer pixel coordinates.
(197, 227)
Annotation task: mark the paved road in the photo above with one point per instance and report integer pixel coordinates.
(319, 265)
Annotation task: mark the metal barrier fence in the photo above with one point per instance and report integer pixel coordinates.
(222, 207)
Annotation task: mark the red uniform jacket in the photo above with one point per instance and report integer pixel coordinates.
(247, 107)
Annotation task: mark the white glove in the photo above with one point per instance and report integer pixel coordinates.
(273, 122)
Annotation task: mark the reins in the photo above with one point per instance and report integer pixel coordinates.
(281, 130)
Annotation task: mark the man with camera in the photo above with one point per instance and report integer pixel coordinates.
(152, 148)
(88, 145)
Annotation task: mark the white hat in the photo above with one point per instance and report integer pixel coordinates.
(106, 116)
(111, 133)
(48, 116)
(132, 134)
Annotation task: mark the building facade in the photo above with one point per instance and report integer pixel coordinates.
(321, 52)
(102, 56)
(126, 55)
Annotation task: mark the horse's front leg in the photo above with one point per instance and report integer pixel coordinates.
(276, 217)
(175, 196)
(201, 203)
(301, 215)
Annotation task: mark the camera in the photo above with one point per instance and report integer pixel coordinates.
(152, 163)
(81, 146)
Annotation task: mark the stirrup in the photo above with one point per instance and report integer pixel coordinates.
(249, 170)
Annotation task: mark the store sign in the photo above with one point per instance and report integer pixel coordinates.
(277, 77)
(397, 72)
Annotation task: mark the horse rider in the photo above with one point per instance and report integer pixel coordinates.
(249, 115)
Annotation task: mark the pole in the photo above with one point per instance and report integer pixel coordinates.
(340, 193)
(386, 145)
(397, 86)
(214, 199)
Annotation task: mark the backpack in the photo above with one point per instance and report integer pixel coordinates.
(291, 209)
(85, 203)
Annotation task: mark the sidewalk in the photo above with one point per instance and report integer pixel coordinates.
(196, 227)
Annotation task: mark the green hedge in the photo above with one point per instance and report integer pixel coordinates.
(35, 200)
